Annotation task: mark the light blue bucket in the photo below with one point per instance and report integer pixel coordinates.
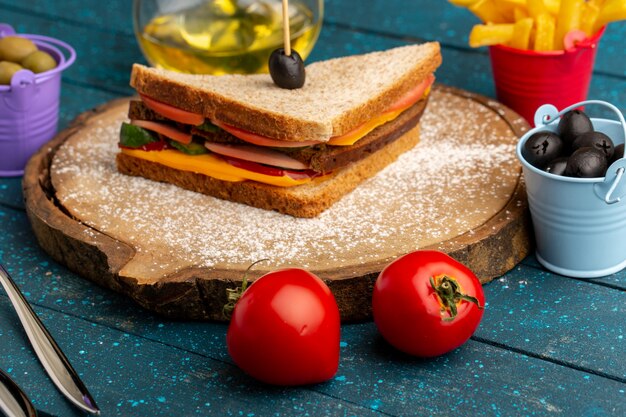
(579, 223)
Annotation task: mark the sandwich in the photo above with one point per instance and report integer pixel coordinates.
(242, 138)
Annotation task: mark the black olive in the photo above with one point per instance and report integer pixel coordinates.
(619, 153)
(287, 71)
(572, 124)
(541, 148)
(597, 140)
(557, 166)
(586, 163)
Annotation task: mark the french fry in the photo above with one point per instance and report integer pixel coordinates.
(588, 16)
(462, 3)
(568, 19)
(540, 25)
(486, 11)
(506, 8)
(492, 34)
(536, 8)
(521, 33)
(610, 11)
(509, 4)
(544, 32)
(520, 13)
(553, 6)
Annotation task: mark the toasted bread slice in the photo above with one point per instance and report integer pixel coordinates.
(339, 94)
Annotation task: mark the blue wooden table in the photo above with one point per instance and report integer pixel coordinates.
(548, 345)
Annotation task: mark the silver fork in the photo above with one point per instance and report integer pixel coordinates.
(49, 353)
(13, 401)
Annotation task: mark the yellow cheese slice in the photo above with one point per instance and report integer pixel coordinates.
(210, 165)
(352, 137)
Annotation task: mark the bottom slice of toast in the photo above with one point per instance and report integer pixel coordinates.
(307, 200)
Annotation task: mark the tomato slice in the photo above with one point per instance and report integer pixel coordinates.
(256, 154)
(413, 96)
(165, 130)
(261, 140)
(173, 113)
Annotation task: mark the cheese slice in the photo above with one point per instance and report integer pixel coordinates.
(210, 165)
(353, 136)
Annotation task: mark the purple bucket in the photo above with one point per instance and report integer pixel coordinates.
(29, 107)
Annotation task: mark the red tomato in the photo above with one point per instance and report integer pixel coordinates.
(285, 329)
(426, 304)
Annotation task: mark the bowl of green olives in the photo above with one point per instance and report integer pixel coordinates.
(30, 88)
(575, 174)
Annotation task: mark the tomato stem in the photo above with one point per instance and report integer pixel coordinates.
(234, 294)
(449, 292)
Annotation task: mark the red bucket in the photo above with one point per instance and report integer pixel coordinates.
(525, 80)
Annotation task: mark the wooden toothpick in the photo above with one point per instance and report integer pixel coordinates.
(287, 37)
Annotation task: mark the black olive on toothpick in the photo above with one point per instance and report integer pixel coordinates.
(285, 65)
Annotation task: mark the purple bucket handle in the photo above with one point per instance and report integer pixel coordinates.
(6, 30)
(22, 85)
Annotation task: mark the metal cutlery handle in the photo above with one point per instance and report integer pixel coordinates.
(13, 401)
(52, 358)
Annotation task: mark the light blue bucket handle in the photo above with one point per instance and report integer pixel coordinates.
(610, 187)
(611, 190)
(609, 195)
(547, 113)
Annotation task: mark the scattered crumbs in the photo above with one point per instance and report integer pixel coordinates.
(444, 187)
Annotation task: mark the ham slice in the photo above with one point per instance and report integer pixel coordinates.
(256, 154)
(165, 130)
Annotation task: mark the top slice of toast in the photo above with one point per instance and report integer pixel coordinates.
(339, 94)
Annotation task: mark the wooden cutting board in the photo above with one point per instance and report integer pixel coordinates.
(176, 252)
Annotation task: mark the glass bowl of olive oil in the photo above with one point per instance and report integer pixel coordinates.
(222, 36)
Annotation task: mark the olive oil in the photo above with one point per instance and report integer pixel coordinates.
(226, 36)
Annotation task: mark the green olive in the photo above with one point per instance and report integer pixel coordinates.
(15, 48)
(7, 69)
(39, 61)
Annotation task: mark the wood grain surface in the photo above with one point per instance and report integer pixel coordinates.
(491, 247)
